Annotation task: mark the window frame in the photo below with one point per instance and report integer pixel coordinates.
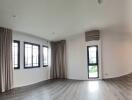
(43, 56)
(18, 54)
(33, 44)
(94, 64)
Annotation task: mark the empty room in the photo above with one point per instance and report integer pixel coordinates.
(65, 49)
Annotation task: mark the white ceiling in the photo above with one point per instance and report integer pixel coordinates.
(58, 19)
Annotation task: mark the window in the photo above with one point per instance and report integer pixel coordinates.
(93, 70)
(45, 56)
(16, 54)
(32, 55)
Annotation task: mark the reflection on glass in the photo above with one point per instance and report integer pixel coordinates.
(31, 55)
(15, 54)
(28, 55)
(93, 71)
(92, 55)
(45, 56)
(35, 55)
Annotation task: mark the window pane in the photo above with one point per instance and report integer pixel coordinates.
(93, 62)
(28, 55)
(92, 55)
(93, 71)
(45, 55)
(35, 56)
(31, 55)
(15, 52)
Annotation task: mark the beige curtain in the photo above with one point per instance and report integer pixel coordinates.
(6, 69)
(58, 59)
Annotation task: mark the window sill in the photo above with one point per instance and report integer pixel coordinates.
(45, 65)
(17, 68)
(31, 67)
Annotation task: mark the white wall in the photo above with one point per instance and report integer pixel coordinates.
(112, 53)
(115, 55)
(128, 36)
(23, 77)
(127, 53)
(117, 45)
(116, 41)
(77, 57)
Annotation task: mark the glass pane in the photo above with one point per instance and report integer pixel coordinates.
(93, 71)
(15, 54)
(28, 55)
(45, 55)
(35, 55)
(92, 55)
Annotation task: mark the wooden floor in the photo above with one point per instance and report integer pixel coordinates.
(113, 89)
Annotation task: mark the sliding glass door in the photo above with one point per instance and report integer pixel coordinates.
(93, 68)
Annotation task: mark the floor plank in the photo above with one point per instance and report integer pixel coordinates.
(112, 89)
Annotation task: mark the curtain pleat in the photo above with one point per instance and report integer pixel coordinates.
(58, 59)
(6, 69)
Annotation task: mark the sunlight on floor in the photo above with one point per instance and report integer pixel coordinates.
(93, 86)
